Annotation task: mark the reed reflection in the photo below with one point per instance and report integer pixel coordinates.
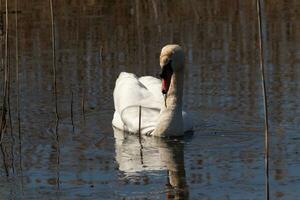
(158, 154)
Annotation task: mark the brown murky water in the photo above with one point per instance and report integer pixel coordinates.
(95, 41)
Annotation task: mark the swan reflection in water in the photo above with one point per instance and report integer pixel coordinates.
(153, 154)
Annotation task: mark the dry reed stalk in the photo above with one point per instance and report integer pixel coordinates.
(18, 94)
(5, 90)
(53, 57)
(55, 88)
(260, 7)
(18, 86)
(8, 65)
(5, 87)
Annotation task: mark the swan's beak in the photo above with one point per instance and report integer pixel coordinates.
(166, 75)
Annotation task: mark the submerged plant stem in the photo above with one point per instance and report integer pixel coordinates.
(4, 159)
(57, 156)
(72, 117)
(83, 104)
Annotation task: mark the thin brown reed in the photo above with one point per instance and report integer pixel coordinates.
(53, 57)
(18, 83)
(5, 88)
(55, 90)
(8, 93)
(83, 103)
(261, 24)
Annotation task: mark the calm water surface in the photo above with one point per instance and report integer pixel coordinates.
(95, 41)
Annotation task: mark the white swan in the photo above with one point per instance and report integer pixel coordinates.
(160, 116)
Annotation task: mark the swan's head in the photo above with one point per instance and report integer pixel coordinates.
(171, 60)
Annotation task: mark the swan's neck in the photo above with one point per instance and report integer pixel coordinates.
(170, 120)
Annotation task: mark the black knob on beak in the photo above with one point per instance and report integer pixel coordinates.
(166, 69)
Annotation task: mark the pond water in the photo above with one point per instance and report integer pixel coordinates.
(82, 157)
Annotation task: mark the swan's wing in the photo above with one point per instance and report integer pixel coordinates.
(130, 91)
(129, 94)
(154, 86)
